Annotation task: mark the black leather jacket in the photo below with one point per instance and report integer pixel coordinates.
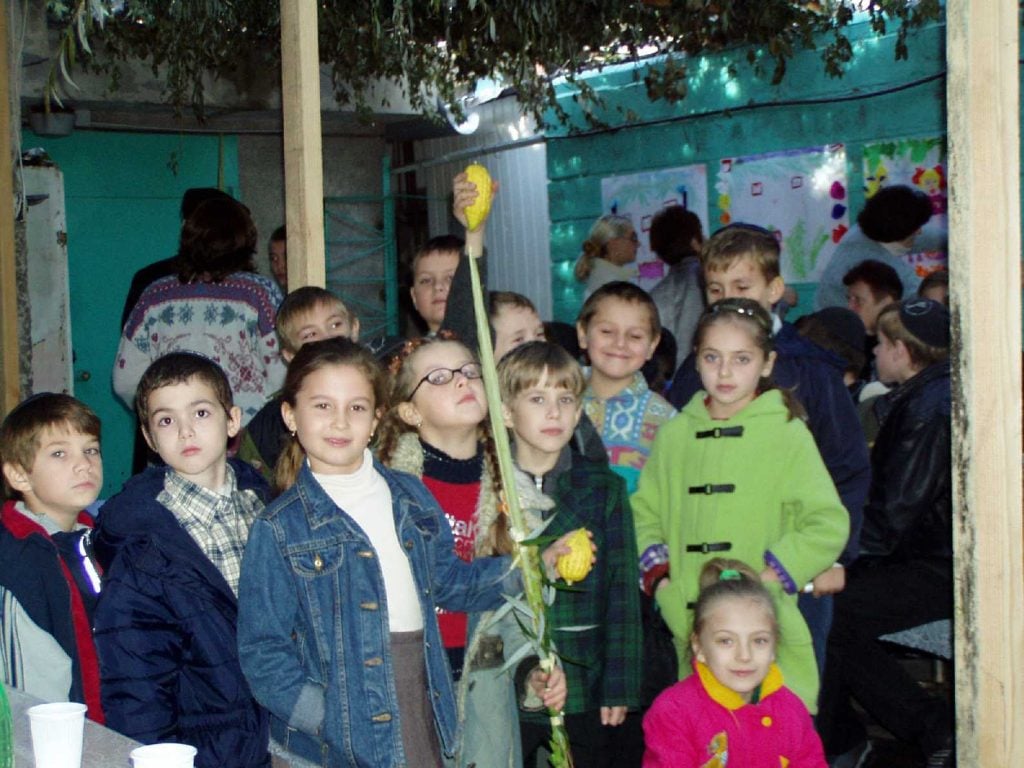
(909, 511)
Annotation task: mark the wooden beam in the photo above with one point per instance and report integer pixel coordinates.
(984, 165)
(9, 370)
(303, 146)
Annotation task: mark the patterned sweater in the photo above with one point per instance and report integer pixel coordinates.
(230, 322)
(628, 423)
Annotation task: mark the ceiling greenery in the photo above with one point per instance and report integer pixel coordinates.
(437, 48)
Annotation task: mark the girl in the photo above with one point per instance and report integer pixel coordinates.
(736, 707)
(437, 430)
(337, 628)
(609, 253)
(736, 472)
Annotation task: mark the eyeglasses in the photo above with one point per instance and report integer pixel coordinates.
(441, 376)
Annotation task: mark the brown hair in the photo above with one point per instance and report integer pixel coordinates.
(881, 279)
(528, 363)
(605, 229)
(623, 291)
(921, 355)
(673, 230)
(178, 368)
(19, 434)
(311, 358)
(498, 300)
(498, 539)
(439, 244)
(742, 241)
(758, 323)
(301, 302)
(722, 579)
(218, 239)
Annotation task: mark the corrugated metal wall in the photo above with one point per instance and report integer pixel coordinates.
(519, 250)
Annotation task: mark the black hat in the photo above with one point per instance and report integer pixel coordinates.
(926, 320)
(843, 324)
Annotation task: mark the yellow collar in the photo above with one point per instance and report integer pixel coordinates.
(727, 697)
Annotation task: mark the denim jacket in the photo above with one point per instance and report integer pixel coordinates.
(313, 623)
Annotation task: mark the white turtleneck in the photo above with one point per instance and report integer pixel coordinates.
(365, 496)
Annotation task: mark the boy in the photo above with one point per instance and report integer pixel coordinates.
(540, 387)
(619, 328)
(904, 576)
(514, 320)
(742, 260)
(52, 469)
(871, 286)
(433, 268)
(306, 314)
(171, 545)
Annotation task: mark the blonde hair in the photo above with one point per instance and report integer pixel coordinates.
(721, 579)
(528, 363)
(921, 355)
(742, 241)
(605, 229)
(300, 303)
(498, 540)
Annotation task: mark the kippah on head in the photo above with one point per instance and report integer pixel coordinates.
(926, 320)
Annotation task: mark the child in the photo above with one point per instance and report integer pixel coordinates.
(618, 327)
(306, 314)
(541, 387)
(904, 576)
(736, 472)
(735, 708)
(337, 628)
(171, 544)
(609, 253)
(433, 268)
(743, 261)
(437, 430)
(50, 449)
(515, 321)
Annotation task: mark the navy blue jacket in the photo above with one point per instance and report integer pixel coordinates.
(165, 630)
(815, 376)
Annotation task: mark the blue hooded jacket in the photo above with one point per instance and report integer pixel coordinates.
(165, 630)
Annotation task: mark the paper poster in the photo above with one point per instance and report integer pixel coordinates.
(800, 195)
(920, 163)
(639, 196)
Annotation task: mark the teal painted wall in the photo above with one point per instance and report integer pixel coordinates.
(879, 98)
(122, 195)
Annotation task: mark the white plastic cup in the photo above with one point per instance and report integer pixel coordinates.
(164, 756)
(57, 734)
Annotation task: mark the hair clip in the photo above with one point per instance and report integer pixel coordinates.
(729, 574)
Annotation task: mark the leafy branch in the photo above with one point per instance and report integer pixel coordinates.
(439, 48)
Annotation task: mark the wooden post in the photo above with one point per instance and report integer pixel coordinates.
(303, 146)
(984, 164)
(9, 384)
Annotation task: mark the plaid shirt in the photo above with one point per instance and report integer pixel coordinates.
(217, 522)
(603, 664)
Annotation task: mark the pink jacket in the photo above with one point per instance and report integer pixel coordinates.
(699, 723)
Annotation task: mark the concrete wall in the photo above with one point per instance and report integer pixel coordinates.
(723, 116)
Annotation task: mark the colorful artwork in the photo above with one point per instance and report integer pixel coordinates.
(639, 196)
(919, 163)
(799, 195)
